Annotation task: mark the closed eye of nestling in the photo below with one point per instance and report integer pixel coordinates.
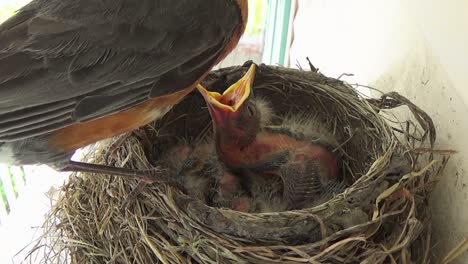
(251, 110)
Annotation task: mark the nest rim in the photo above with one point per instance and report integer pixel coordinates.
(369, 184)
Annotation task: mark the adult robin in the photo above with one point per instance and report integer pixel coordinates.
(76, 72)
(301, 151)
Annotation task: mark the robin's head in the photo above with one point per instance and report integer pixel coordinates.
(235, 115)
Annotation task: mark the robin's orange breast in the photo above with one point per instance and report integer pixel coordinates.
(82, 134)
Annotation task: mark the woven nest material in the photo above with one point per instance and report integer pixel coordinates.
(381, 217)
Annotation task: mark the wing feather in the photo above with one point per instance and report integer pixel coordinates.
(63, 62)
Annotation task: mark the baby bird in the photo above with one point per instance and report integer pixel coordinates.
(204, 177)
(299, 151)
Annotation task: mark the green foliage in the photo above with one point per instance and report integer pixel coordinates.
(12, 181)
(6, 10)
(9, 7)
(23, 174)
(257, 13)
(3, 197)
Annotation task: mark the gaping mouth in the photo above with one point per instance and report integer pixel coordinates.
(233, 97)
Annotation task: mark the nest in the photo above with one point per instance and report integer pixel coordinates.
(381, 217)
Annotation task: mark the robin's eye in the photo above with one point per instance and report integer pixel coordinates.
(251, 110)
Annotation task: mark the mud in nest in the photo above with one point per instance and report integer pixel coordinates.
(381, 217)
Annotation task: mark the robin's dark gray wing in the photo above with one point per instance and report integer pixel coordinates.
(70, 61)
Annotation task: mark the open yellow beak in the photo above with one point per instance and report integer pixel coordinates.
(234, 96)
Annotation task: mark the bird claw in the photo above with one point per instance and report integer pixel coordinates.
(157, 175)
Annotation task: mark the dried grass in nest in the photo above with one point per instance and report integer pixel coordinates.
(382, 217)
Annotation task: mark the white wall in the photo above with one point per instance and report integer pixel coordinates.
(23, 225)
(445, 26)
(418, 48)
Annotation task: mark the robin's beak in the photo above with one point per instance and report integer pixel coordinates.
(223, 106)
